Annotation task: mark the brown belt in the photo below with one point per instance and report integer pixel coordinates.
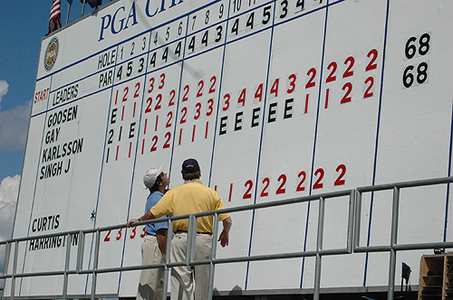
(182, 231)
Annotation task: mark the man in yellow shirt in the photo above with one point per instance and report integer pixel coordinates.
(190, 198)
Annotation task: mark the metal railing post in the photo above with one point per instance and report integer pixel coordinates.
(167, 270)
(357, 218)
(319, 244)
(351, 220)
(80, 249)
(191, 236)
(13, 274)
(393, 242)
(7, 257)
(215, 230)
(95, 264)
(66, 265)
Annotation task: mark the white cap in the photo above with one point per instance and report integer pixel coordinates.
(149, 179)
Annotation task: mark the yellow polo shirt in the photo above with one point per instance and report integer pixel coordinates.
(190, 198)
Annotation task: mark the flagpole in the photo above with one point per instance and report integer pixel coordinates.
(83, 7)
(67, 16)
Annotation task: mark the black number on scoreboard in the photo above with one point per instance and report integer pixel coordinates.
(178, 49)
(301, 4)
(416, 47)
(236, 5)
(192, 44)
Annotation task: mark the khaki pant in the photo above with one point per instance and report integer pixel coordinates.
(151, 280)
(190, 283)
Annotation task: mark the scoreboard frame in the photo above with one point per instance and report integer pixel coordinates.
(275, 98)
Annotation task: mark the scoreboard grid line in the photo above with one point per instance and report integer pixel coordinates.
(179, 100)
(257, 173)
(32, 201)
(315, 135)
(447, 202)
(133, 169)
(376, 145)
(219, 94)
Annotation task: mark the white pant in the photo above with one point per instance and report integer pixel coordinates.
(189, 283)
(151, 280)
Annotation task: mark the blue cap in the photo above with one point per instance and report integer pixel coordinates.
(190, 166)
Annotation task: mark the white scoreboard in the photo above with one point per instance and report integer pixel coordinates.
(275, 98)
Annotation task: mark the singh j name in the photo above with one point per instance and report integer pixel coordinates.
(124, 18)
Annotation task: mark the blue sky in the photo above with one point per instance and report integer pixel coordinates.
(23, 23)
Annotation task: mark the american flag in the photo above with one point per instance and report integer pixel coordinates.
(55, 16)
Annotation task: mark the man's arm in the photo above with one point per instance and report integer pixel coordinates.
(147, 216)
(224, 236)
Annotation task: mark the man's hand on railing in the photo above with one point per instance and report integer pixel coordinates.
(131, 221)
(147, 216)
